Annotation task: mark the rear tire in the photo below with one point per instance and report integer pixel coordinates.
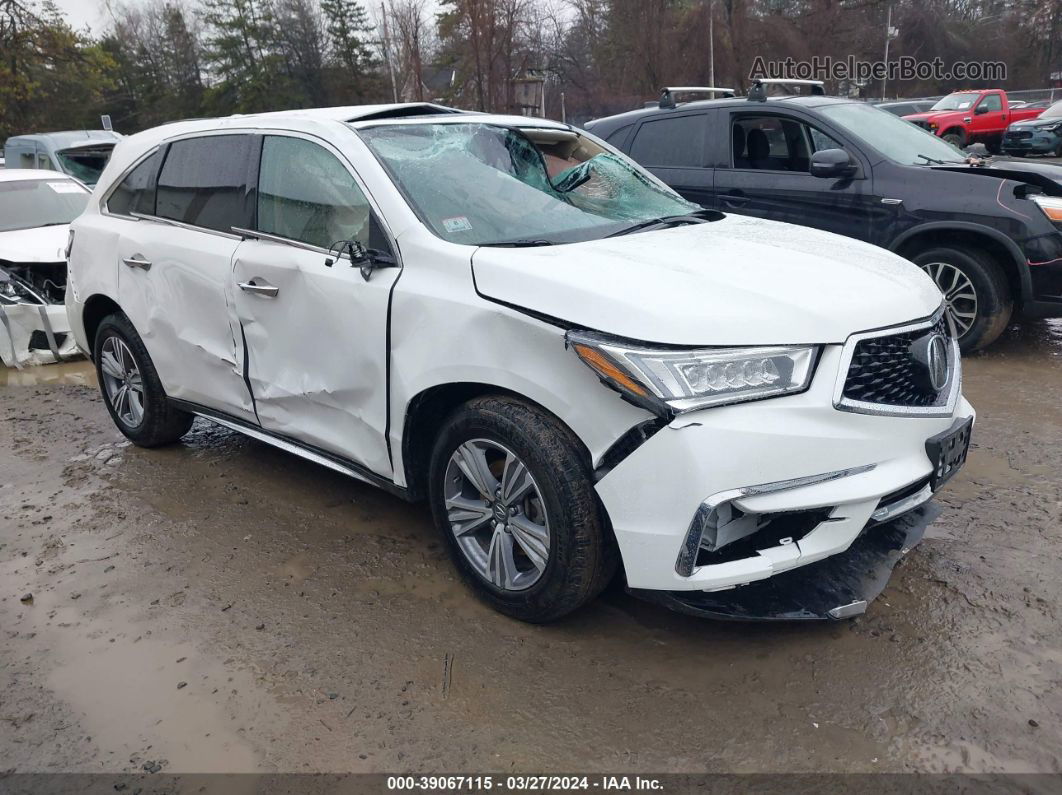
(578, 557)
(131, 387)
(961, 273)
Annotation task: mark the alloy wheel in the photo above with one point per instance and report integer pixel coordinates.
(497, 514)
(122, 381)
(960, 296)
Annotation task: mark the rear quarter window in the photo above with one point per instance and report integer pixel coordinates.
(136, 193)
(205, 182)
(676, 141)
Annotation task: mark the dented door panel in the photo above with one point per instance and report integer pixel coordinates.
(178, 306)
(316, 349)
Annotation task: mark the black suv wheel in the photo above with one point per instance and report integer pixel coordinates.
(975, 289)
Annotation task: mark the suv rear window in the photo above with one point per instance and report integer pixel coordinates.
(677, 141)
(136, 193)
(204, 182)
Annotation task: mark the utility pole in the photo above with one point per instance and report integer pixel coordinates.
(711, 42)
(889, 36)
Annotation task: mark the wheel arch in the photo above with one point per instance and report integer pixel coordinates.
(958, 129)
(425, 413)
(97, 307)
(966, 235)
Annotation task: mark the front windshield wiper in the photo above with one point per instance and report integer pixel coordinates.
(521, 243)
(695, 217)
(937, 162)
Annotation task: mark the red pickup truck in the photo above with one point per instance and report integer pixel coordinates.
(969, 117)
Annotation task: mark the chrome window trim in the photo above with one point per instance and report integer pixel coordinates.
(686, 563)
(954, 385)
(182, 225)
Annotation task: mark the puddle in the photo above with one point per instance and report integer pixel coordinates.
(77, 373)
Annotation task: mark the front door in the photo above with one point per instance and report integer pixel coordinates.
(315, 334)
(769, 177)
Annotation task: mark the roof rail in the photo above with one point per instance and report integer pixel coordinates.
(667, 94)
(758, 92)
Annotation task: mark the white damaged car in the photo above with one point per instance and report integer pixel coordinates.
(579, 370)
(36, 207)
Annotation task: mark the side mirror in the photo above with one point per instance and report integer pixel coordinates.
(367, 259)
(981, 109)
(832, 164)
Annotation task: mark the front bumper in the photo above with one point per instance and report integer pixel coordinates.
(35, 334)
(840, 586)
(655, 493)
(1037, 143)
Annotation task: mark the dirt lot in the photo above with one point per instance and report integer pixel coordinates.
(221, 606)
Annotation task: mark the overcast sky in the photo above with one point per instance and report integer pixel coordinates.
(92, 13)
(80, 13)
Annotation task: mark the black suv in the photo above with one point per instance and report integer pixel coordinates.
(989, 235)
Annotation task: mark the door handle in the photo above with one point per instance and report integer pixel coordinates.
(735, 199)
(265, 289)
(137, 261)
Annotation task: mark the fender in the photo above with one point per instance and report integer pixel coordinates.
(1012, 248)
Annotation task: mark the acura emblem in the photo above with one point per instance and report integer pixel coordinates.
(931, 353)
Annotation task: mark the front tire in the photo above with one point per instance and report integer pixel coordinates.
(975, 290)
(515, 502)
(131, 388)
(955, 138)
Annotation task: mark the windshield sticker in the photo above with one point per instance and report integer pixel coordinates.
(459, 223)
(65, 187)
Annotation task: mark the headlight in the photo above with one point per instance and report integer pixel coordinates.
(1052, 127)
(1051, 205)
(673, 381)
(13, 292)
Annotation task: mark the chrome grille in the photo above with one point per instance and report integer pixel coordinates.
(883, 371)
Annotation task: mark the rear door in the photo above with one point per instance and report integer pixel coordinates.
(674, 147)
(769, 175)
(174, 265)
(315, 333)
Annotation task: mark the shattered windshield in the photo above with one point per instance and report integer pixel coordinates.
(483, 184)
(25, 204)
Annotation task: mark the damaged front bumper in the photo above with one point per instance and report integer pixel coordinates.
(840, 586)
(33, 323)
(746, 501)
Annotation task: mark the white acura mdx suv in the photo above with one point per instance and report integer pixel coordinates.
(575, 366)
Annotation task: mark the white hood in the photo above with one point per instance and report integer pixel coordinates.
(738, 281)
(40, 244)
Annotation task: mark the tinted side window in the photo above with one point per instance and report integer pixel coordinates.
(136, 193)
(204, 182)
(306, 194)
(676, 141)
(618, 137)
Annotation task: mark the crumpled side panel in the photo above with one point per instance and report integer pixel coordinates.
(317, 351)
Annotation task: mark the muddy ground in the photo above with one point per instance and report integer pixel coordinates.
(222, 606)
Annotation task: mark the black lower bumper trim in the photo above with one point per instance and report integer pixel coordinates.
(828, 589)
